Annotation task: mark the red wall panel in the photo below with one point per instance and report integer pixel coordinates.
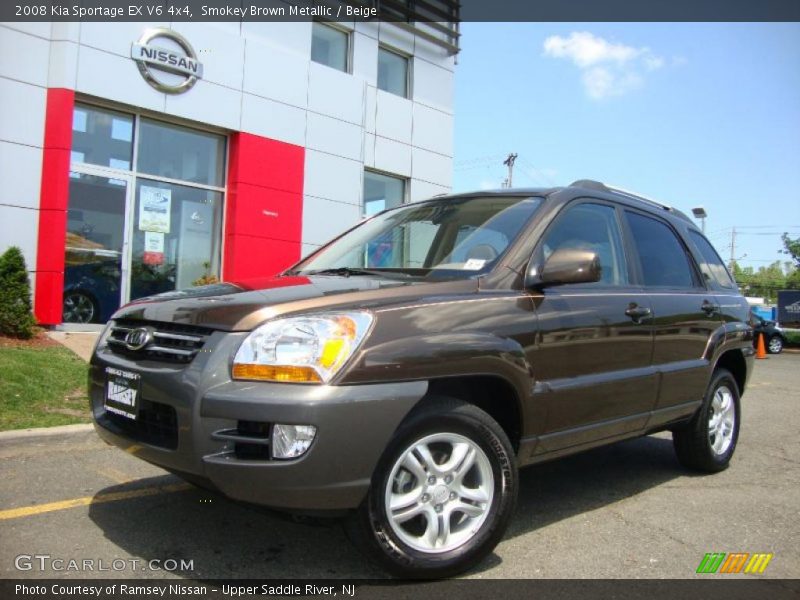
(53, 202)
(264, 215)
(266, 163)
(264, 212)
(249, 257)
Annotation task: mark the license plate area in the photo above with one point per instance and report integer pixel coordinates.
(123, 389)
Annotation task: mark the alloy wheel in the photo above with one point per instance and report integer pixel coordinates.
(721, 417)
(78, 308)
(439, 492)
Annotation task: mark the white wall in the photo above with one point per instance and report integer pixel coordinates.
(24, 64)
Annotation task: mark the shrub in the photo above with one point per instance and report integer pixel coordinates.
(15, 295)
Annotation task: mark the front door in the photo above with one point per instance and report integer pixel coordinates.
(173, 241)
(593, 361)
(95, 265)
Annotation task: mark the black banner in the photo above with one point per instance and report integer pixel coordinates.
(714, 587)
(395, 10)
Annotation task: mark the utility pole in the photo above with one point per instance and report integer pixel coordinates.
(509, 162)
(733, 247)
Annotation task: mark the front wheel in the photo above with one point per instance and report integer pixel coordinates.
(708, 441)
(775, 344)
(442, 495)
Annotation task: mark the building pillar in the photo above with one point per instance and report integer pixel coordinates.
(53, 204)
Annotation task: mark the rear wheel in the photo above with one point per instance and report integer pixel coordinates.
(775, 344)
(442, 495)
(708, 441)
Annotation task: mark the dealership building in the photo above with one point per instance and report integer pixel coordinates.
(145, 157)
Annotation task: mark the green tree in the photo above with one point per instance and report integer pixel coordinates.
(15, 295)
(792, 248)
(764, 283)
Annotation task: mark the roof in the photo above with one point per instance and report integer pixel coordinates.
(610, 192)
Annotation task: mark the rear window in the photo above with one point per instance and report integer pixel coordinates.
(711, 265)
(664, 260)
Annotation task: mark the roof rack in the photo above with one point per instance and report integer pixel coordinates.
(597, 185)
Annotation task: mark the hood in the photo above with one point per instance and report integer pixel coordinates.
(246, 304)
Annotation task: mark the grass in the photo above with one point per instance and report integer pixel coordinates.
(792, 336)
(41, 387)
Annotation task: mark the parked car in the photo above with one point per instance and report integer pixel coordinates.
(774, 337)
(91, 291)
(403, 373)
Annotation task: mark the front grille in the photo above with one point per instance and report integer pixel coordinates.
(172, 342)
(156, 424)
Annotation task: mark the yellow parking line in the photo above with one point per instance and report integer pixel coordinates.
(27, 511)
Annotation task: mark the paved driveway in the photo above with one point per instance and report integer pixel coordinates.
(620, 512)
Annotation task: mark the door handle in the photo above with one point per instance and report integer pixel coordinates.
(637, 313)
(709, 307)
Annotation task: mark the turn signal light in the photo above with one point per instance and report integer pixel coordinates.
(276, 373)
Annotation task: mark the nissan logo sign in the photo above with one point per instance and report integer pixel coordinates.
(138, 338)
(179, 68)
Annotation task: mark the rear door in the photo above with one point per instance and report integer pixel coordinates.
(686, 314)
(592, 360)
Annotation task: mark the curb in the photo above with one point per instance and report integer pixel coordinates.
(16, 434)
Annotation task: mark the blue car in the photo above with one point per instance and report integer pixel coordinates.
(92, 290)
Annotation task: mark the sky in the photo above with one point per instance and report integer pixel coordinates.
(692, 114)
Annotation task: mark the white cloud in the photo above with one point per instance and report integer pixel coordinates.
(607, 68)
(601, 82)
(586, 49)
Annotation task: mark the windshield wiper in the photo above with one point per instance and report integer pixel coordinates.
(349, 271)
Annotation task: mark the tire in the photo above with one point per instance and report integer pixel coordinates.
(775, 344)
(476, 499)
(79, 308)
(708, 441)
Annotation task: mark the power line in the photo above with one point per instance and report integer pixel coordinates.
(543, 176)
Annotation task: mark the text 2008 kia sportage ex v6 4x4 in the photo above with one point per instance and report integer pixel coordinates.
(403, 372)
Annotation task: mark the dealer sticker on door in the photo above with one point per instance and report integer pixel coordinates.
(122, 392)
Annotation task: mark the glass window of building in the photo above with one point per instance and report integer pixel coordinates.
(330, 46)
(382, 192)
(102, 137)
(392, 72)
(137, 227)
(178, 153)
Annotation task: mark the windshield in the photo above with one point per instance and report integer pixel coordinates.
(448, 238)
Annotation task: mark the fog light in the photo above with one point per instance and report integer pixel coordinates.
(291, 441)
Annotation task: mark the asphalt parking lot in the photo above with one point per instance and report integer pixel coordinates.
(626, 511)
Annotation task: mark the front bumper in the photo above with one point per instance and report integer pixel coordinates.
(186, 407)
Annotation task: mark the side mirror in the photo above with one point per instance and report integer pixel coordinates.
(567, 265)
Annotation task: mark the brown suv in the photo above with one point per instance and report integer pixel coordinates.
(405, 371)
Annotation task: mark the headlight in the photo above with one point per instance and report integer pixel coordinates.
(301, 349)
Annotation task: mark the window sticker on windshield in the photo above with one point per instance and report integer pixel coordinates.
(474, 264)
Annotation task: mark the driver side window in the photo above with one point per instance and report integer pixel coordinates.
(591, 227)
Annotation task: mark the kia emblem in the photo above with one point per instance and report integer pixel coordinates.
(138, 338)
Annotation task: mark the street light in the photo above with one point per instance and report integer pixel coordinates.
(700, 213)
